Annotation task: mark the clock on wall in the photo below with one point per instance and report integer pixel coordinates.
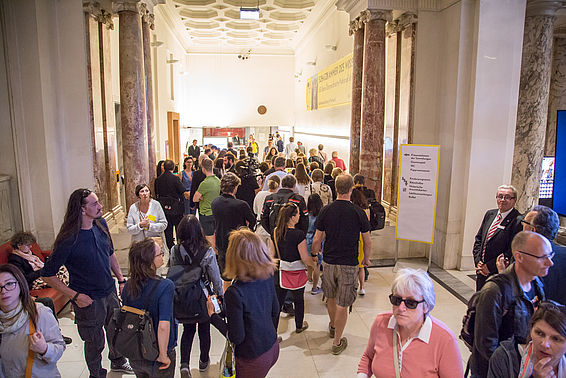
(261, 109)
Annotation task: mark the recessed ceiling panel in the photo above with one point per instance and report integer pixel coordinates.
(198, 13)
(198, 3)
(294, 4)
(202, 24)
(287, 16)
(243, 25)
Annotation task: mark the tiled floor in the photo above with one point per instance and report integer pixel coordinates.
(306, 354)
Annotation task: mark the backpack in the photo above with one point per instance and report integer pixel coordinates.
(191, 282)
(277, 204)
(376, 215)
(131, 332)
(469, 319)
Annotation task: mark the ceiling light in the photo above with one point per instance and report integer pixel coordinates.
(249, 13)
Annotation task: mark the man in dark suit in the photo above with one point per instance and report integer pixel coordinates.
(544, 220)
(170, 192)
(496, 232)
(194, 152)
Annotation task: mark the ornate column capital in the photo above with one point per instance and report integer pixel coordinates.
(147, 16)
(125, 6)
(543, 7)
(375, 14)
(355, 25)
(392, 28)
(94, 9)
(407, 19)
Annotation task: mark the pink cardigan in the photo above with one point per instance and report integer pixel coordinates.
(433, 353)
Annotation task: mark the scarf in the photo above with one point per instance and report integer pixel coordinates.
(13, 320)
(527, 362)
(33, 260)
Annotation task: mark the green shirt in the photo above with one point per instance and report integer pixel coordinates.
(209, 188)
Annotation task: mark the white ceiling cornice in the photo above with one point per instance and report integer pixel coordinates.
(321, 12)
(354, 7)
(174, 24)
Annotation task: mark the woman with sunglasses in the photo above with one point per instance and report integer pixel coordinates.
(290, 247)
(408, 342)
(145, 258)
(26, 326)
(543, 354)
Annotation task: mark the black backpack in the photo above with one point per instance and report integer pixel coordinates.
(469, 319)
(189, 300)
(276, 206)
(131, 331)
(376, 215)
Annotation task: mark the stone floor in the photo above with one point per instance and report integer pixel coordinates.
(302, 355)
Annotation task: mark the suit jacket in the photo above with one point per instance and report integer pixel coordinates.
(500, 242)
(555, 281)
(193, 151)
(169, 185)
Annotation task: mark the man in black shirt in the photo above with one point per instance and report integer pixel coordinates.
(341, 223)
(194, 152)
(170, 192)
(230, 214)
(360, 181)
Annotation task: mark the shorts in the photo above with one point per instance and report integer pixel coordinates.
(208, 224)
(340, 282)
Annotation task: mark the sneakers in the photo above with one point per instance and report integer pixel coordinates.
(186, 373)
(203, 366)
(362, 291)
(288, 309)
(337, 349)
(330, 331)
(124, 368)
(316, 290)
(303, 328)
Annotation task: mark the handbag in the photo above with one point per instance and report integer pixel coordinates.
(292, 275)
(131, 331)
(227, 362)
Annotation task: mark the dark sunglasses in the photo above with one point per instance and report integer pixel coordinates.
(410, 303)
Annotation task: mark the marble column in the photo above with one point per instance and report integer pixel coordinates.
(532, 110)
(373, 105)
(132, 98)
(557, 94)
(357, 29)
(147, 24)
(404, 93)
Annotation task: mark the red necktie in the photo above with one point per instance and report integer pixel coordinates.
(490, 233)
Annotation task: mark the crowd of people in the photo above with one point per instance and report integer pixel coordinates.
(252, 233)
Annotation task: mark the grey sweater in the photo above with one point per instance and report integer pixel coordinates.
(14, 348)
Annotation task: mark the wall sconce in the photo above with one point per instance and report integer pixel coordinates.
(330, 47)
(312, 63)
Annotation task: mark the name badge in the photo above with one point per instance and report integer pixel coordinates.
(501, 227)
(151, 218)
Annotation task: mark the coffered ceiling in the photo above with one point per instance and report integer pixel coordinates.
(215, 25)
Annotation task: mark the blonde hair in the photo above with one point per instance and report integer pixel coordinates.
(247, 257)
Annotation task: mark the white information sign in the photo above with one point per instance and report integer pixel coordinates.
(417, 189)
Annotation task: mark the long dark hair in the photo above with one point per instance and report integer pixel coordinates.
(72, 221)
(27, 301)
(358, 198)
(314, 205)
(189, 232)
(142, 268)
(301, 174)
(286, 213)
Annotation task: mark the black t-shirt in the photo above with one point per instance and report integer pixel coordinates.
(246, 190)
(342, 221)
(289, 246)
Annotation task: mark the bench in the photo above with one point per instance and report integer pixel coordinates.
(59, 300)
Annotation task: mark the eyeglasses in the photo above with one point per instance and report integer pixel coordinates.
(549, 256)
(9, 286)
(410, 303)
(504, 197)
(85, 193)
(527, 223)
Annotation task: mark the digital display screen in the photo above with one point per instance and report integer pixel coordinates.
(547, 177)
(559, 197)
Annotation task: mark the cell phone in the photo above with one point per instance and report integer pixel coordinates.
(216, 304)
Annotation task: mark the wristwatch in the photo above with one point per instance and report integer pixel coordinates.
(122, 282)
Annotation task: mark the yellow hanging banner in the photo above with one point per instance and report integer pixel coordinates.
(332, 86)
